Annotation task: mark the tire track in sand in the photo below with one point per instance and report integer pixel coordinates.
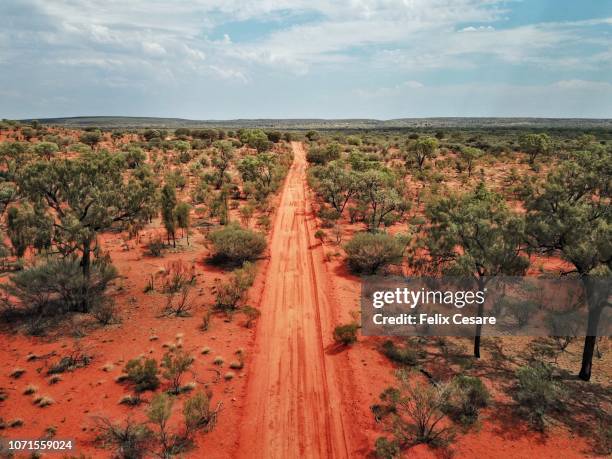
(293, 405)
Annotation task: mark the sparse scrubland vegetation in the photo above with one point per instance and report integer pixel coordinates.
(91, 221)
(137, 249)
(477, 204)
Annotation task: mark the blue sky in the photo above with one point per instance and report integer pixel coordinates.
(209, 59)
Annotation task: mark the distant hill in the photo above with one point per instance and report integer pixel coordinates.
(329, 124)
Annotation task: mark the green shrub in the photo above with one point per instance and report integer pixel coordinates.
(228, 294)
(368, 252)
(236, 244)
(403, 355)
(537, 393)
(346, 334)
(386, 449)
(59, 286)
(142, 373)
(468, 396)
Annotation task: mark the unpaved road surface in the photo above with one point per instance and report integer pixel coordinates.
(293, 405)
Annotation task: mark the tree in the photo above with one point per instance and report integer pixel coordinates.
(423, 149)
(159, 414)
(322, 155)
(182, 217)
(377, 190)
(168, 206)
(91, 138)
(134, 157)
(86, 195)
(569, 214)
(46, 149)
(469, 155)
(260, 169)
(221, 160)
(21, 228)
(255, 138)
(476, 236)
(337, 185)
(535, 145)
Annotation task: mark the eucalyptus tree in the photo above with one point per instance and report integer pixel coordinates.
(569, 215)
(85, 196)
(476, 235)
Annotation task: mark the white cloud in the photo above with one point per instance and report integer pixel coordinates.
(583, 85)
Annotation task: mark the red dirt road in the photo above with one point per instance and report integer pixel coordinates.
(293, 407)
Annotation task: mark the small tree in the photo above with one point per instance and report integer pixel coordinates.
(224, 153)
(86, 195)
(469, 155)
(477, 236)
(424, 148)
(168, 206)
(91, 138)
(21, 228)
(174, 364)
(535, 145)
(182, 217)
(569, 214)
(46, 149)
(159, 414)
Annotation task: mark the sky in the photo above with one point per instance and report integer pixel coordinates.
(383, 59)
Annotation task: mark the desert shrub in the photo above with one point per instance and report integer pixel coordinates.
(229, 293)
(403, 355)
(156, 247)
(174, 364)
(537, 393)
(522, 310)
(468, 397)
(198, 413)
(142, 373)
(414, 413)
(236, 244)
(368, 252)
(346, 334)
(77, 358)
(322, 155)
(251, 314)
(59, 286)
(128, 441)
(386, 449)
(180, 304)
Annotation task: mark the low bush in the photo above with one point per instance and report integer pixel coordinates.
(346, 334)
(402, 355)
(368, 252)
(236, 244)
(537, 393)
(59, 286)
(229, 293)
(468, 396)
(142, 373)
